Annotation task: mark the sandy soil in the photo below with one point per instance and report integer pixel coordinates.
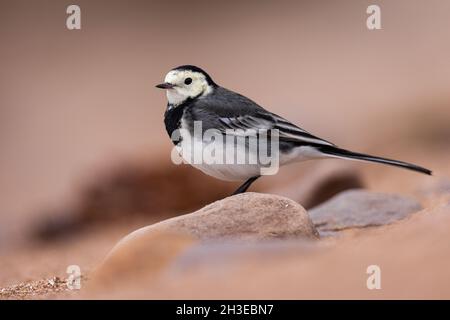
(37, 270)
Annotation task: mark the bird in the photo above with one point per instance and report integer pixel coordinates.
(194, 97)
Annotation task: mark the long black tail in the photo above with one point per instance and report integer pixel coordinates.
(345, 154)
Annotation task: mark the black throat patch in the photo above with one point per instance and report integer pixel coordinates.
(172, 119)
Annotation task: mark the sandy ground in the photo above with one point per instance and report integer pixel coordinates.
(37, 264)
(38, 270)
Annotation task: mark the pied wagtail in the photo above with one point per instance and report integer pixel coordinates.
(193, 96)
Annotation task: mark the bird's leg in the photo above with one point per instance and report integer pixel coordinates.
(245, 185)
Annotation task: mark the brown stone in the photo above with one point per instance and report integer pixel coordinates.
(248, 216)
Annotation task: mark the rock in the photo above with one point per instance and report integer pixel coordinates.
(128, 190)
(142, 257)
(359, 209)
(320, 184)
(248, 217)
(138, 257)
(215, 254)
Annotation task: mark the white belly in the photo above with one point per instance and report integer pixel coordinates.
(235, 163)
(215, 163)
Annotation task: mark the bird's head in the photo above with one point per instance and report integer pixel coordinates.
(186, 82)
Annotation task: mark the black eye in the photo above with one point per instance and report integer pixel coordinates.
(188, 81)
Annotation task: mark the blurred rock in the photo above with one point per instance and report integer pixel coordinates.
(214, 254)
(324, 181)
(359, 209)
(138, 257)
(133, 190)
(248, 216)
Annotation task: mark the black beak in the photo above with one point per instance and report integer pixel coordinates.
(165, 85)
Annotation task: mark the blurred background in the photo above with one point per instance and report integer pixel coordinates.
(81, 124)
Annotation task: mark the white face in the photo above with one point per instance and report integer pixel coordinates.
(185, 88)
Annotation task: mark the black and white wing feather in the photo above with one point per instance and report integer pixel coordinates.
(232, 113)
